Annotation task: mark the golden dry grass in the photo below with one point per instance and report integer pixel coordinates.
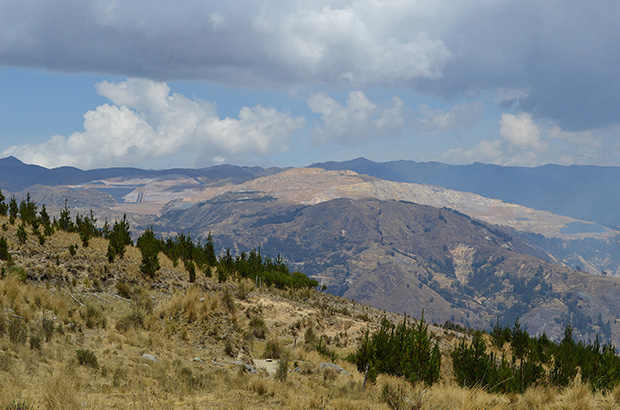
(195, 332)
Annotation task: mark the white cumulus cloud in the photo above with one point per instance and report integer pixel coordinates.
(525, 142)
(520, 132)
(145, 123)
(357, 120)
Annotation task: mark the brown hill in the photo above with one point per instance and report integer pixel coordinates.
(405, 257)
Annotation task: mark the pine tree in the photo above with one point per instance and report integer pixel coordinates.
(22, 235)
(149, 247)
(64, 222)
(209, 249)
(565, 360)
(120, 237)
(5, 255)
(13, 210)
(4, 208)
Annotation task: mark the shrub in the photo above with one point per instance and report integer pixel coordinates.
(93, 317)
(228, 302)
(35, 342)
(123, 290)
(22, 235)
(149, 248)
(134, 319)
(48, 328)
(258, 327)
(273, 349)
(17, 332)
(191, 269)
(282, 371)
(87, 358)
(400, 350)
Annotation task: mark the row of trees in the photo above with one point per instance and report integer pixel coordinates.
(193, 254)
(410, 351)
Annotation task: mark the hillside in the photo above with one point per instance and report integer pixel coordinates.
(80, 332)
(405, 257)
(381, 242)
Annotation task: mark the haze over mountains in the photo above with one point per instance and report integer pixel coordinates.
(380, 234)
(590, 193)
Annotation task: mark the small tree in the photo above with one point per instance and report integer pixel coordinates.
(4, 208)
(13, 210)
(22, 235)
(209, 250)
(120, 236)
(64, 222)
(149, 247)
(5, 255)
(191, 269)
(565, 359)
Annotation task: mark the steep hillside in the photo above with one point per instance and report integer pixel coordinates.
(406, 257)
(80, 332)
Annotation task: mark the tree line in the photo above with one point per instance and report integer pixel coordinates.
(193, 254)
(410, 351)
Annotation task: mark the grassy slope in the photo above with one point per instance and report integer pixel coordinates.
(111, 310)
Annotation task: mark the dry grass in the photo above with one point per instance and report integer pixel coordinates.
(194, 331)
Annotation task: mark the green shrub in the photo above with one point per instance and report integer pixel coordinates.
(87, 358)
(22, 235)
(405, 350)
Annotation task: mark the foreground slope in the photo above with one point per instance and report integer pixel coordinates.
(78, 332)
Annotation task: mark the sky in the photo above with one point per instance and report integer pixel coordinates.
(194, 83)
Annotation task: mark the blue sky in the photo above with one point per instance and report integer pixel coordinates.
(194, 83)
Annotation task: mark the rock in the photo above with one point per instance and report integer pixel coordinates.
(247, 367)
(150, 357)
(335, 367)
(197, 359)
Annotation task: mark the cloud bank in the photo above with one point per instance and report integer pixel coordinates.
(145, 123)
(556, 59)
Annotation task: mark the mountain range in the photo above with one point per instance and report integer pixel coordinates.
(368, 235)
(583, 192)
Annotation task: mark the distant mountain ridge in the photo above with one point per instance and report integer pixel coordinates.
(585, 192)
(17, 176)
(400, 246)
